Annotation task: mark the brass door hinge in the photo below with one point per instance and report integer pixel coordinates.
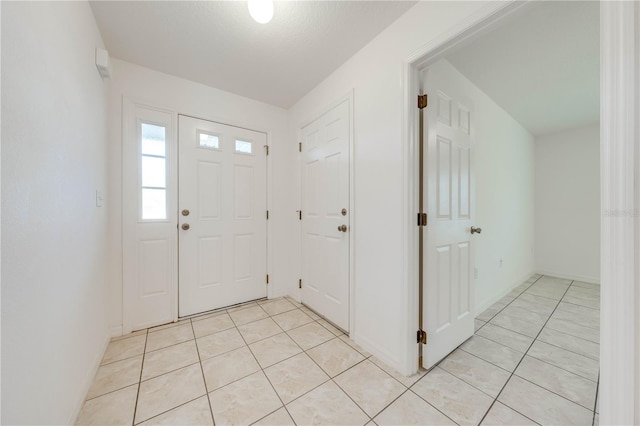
(422, 337)
(299, 146)
(300, 283)
(267, 278)
(267, 214)
(299, 214)
(267, 148)
(422, 101)
(422, 219)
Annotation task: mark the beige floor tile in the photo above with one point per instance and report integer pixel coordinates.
(587, 303)
(335, 356)
(219, 343)
(567, 360)
(478, 324)
(229, 367)
(598, 400)
(295, 376)
(309, 312)
(326, 405)
(194, 413)
(336, 331)
(243, 306)
(168, 359)
(511, 339)
(546, 290)
(554, 281)
(245, 401)
(294, 302)
(533, 303)
(370, 387)
(571, 386)
(292, 319)
(212, 325)
(354, 345)
(577, 330)
(122, 349)
(278, 418)
(459, 401)
(171, 324)
(579, 314)
(405, 380)
(491, 311)
(169, 336)
(520, 320)
(570, 343)
(277, 306)
(501, 415)
(310, 335)
(168, 391)
(115, 408)
(542, 406)
(495, 353)
(274, 349)
(259, 330)
(590, 286)
(476, 372)
(245, 316)
(410, 409)
(116, 375)
(204, 316)
(132, 334)
(596, 420)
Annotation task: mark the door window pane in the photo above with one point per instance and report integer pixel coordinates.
(153, 139)
(153, 172)
(154, 202)
(244, 147)
(206, 140)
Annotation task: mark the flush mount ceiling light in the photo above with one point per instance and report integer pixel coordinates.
(261, 10)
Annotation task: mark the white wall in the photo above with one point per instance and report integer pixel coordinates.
(375, 75)
(504, 172)
(185, 97)
(568, 204)
(53, 236)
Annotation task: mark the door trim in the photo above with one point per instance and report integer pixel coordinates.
(310, 118)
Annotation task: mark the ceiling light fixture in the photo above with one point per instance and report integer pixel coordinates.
(261, 10)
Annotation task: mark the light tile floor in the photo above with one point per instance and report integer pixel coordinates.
(533, 359)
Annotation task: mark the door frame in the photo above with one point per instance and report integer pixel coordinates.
(129, 103)
(352, 228)
(620, 189)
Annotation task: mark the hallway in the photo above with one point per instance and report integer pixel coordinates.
(533, 359)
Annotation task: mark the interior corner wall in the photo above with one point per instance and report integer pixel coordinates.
(182, 96)
(568, 204)
(504, 176)
(54, 245)
(375, 74)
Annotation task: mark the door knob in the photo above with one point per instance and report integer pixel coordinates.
(185, 226)
(475, 230)
(342, 228)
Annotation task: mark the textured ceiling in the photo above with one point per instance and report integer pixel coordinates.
(541, 66)
(218, 44)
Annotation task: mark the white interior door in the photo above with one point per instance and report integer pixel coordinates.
(325, 215)
(222, 230)
(449, 184)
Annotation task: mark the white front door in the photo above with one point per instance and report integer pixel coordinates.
(325, 215)
(222, 230)
(449, 184)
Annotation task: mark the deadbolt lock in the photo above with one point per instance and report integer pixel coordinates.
(185, 226)
(185, 212)
(344, 212)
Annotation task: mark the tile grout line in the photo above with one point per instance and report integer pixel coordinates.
(135, 407)
(595, 403)
(204, 380)
(525, 354)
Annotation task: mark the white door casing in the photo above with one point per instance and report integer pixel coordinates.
(325, 179)
(149, 246)
(223, 186)
(449, 183)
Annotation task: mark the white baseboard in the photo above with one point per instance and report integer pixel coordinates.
(592, 280)
(481, 308)
(88, 380)
(115, 331)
